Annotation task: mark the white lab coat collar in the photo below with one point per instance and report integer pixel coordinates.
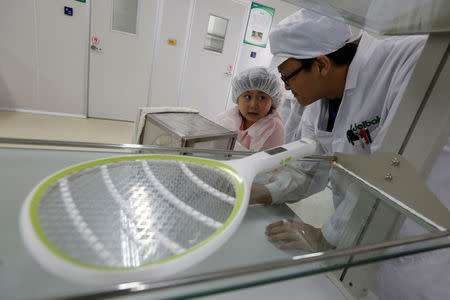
(363, 53)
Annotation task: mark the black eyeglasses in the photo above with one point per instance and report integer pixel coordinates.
(286, 78)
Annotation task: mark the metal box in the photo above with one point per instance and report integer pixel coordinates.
(186, 129)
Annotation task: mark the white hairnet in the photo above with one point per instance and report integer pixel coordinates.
(260, 79)
(306, 34)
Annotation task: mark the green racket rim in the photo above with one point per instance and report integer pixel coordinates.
(42, 188)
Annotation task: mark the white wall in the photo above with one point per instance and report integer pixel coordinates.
(263, 55)
(62, 49)
(43, 56)
(17, 54)
(167, 66)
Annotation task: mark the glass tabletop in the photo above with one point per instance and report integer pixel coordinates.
(246, 259)
(386, 16)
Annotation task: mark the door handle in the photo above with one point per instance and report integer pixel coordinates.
(95, 48)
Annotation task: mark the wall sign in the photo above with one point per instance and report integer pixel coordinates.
(68, 11)
(95, 40)
(258, 25)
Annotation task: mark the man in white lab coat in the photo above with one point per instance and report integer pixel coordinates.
(350, 91)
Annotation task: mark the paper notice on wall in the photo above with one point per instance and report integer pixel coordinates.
(258, 26)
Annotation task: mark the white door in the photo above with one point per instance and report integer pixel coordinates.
(122, 37)
(216, 36)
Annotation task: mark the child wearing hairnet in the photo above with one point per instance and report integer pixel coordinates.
(259, 126)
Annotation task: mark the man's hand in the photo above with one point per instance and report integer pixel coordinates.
(260, 195)
(296, 234)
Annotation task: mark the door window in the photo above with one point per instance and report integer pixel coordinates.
(215, 35)
(125, 16)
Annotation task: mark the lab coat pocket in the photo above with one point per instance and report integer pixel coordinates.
(325, 140)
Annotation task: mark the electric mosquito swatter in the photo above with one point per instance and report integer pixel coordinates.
(141, 217)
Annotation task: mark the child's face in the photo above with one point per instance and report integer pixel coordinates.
(254, 105)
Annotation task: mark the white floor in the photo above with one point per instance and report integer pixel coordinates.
(38, 126)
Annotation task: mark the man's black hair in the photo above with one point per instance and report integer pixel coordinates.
(342, 56)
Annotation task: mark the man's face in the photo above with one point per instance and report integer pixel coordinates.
(306, 85)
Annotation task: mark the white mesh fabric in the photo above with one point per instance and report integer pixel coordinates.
(130, 213)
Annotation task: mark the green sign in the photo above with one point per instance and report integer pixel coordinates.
(258, 25)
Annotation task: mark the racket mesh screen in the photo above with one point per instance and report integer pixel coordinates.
(131, 213)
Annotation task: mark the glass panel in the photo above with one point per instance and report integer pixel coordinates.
(125, 15)
(247, 253)
(386, 16)
(215, 35)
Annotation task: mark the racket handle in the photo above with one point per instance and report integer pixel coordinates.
(276, 157)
